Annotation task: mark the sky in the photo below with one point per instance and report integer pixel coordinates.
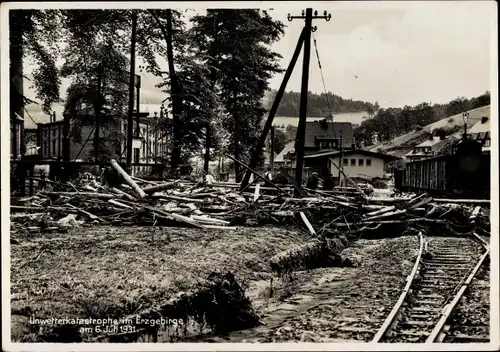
(396, 53)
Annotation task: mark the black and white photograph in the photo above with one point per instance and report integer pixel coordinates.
(250, 175)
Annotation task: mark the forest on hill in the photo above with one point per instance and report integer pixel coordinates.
(392, 122)
(317, 104)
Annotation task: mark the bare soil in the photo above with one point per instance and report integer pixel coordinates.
(332, 304)
(112, 272)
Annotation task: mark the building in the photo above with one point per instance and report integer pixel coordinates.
(16, 136)
(150, 147)
(426, 149)
(320, 135)
(356, 163)
(481, 132)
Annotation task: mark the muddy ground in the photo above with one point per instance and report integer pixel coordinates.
(101, 271)
(332, 304)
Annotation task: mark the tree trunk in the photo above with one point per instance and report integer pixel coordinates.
(16, 77)
(213, 77)
(236, 143)
(176, 150)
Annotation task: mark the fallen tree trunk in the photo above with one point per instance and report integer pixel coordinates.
(128, 179)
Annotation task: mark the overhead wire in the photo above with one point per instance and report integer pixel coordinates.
(324, 85)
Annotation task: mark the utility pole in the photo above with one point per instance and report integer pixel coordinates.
(301, 132)
(130, 120)
(274, 109)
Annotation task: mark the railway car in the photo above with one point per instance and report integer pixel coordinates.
(464, 173)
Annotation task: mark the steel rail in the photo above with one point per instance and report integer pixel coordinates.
(391, 320)
(438, 334)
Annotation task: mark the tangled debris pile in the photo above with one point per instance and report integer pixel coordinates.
(132, 201)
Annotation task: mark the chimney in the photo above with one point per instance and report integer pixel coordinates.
(484, 119)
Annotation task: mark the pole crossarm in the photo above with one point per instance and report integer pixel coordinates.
(326, 16)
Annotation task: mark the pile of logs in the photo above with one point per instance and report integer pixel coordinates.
(224, 206)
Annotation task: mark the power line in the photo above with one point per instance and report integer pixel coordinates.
(324, 85)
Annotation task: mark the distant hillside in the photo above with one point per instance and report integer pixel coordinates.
(406, 141)
(317, 104)
(389, 125)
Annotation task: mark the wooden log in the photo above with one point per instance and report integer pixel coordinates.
(257, 192)
(122, 193)
(386, 215)
(24, 208)
(475, 212)
(90, 215)
(158, 188)
(160, 212)
(434, 221)
(181, 199)
(283, 213)
(463, 201)
(308, 224)
(419, 204)
(209, 220)
(121, 205)
(220, 227)
(80, 194)
(372, 207)
(128, 179)
(144, 181)
(381, 211)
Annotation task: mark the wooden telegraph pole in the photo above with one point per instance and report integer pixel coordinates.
(130, 120)
(305, 38)
(301, 131)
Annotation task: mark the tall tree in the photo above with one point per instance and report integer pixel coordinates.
(244, 66)
(102, 65)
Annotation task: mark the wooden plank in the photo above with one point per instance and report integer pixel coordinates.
(308, 224)
(257, 191)
(128, 179)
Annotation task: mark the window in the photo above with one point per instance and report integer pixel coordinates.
(53, 147)
(361, 162)
(136, 155)
(368, 162)
(487, 142)
(346, 162)
(353, 162)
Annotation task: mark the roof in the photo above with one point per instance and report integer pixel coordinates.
(429, 143)
(480, 127)
(330, 129)
(435, 144)
(34, 115)
(475, 116)
(350, 152)
(289, 147)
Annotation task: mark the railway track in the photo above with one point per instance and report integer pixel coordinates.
(444, 268)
